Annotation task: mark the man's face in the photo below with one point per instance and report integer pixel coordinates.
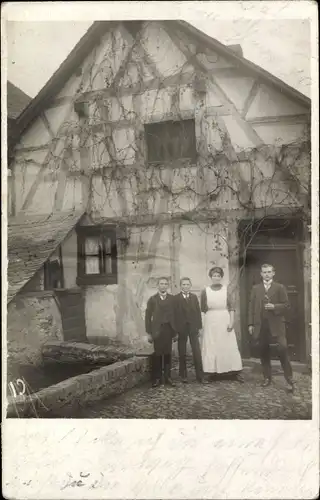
(267, 273)
(163, 285)
(185, 286)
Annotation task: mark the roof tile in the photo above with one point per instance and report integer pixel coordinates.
(31, 241)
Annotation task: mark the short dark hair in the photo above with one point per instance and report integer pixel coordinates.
(216, 269)
(163, 278)
(185, 279)
(268, 265)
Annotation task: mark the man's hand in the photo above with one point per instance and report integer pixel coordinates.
(175, 338)
(251, 330)
(269, 306)
(230, 327)
(150, 340)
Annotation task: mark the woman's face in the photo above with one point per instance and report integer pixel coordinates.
(216, 278)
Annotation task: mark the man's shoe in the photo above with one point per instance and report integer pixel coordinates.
(201, 380)
(156, 383)
(240, 379)
(168, 381)
(266, 382)
(290, 386)
(184, 380)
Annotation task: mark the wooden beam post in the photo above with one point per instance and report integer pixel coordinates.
(252, 94)
(175, 258)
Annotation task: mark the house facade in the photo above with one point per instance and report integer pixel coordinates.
(178, 154)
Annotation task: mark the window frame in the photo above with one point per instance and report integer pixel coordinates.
(103, 278)
(180, 160)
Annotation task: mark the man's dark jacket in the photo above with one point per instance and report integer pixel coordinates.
(159, 312)
(277, 295)
(187, 311)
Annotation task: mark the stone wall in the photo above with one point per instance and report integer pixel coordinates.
(32, 320)
(59, 401)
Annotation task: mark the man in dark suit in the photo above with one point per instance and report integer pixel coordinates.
(188, 323)
(268, 303)
(160, 327)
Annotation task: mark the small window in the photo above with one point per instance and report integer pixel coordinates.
(97, 256)
(171, 140)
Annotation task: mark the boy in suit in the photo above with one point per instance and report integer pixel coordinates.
(188, 324)
(268, 303)
(160, 327)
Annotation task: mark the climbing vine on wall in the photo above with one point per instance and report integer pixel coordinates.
(222, 182)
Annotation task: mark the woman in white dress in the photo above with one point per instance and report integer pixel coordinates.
(219, 347)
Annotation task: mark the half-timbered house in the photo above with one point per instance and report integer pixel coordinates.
(155, 150)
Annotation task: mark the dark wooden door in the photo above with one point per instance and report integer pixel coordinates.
(289, 272)
(72, 310)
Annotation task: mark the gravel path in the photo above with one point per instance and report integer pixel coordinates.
(217, 400)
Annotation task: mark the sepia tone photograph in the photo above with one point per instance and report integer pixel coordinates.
(159, 220)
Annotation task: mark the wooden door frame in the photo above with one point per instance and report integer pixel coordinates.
(298, 247)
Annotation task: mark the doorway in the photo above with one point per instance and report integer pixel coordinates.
(72, 310)
(276, 242)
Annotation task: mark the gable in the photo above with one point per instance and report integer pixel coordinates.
(133, 78)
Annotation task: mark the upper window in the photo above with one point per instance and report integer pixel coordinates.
(97, 256)
(171, 140)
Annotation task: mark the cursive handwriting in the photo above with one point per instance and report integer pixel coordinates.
(84, 479)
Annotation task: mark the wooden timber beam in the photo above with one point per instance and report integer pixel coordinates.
(253, 136)
(292, 119)
(131, 34)
(45, 120)
(56, 146)
(139, 88)
(32, 149)
(162, 219)
(40, 176)
(60, 101)
(252, 94)
(62, 181)
(174, 246)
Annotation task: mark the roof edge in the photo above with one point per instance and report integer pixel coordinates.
(227, 51)
(77, 220)
(86, 43)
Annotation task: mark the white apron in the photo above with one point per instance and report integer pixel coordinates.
(219, 348)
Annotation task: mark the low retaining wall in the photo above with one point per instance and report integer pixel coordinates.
(65, 398)
(78, 353)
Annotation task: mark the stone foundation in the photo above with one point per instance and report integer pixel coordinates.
(31, 321)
